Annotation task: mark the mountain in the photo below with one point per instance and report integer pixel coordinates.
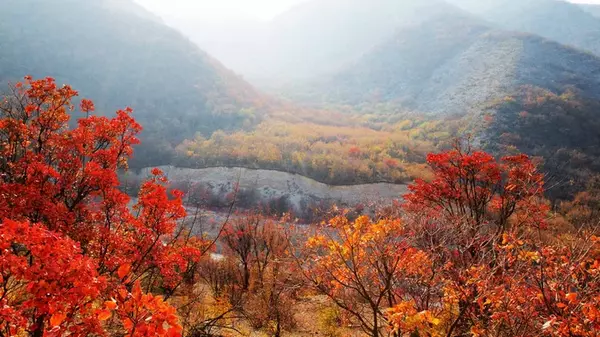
(539, 96)
(465, 72)
(319, 37)
(120, 55)
(451, 64)
(557, 20)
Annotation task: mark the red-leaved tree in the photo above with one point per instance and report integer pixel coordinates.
(470, 253)
(501, 271)
(75, 258)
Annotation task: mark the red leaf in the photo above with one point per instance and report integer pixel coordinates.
(103, 315)
(57, 319)
(123, 270)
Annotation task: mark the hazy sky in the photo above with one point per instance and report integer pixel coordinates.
(218, 10)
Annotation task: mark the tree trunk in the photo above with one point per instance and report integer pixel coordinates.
(375, 324)
(246, 278)
(278, 327)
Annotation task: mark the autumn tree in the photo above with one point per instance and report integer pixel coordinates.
(527, 290)
(267, 280)
(468, 253)
(584, 209)
(75, 259)
(476, 196)
(365, 267)
(483, 222)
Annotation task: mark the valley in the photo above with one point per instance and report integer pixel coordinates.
(361, 99)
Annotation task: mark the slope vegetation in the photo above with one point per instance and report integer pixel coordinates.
(558, 20)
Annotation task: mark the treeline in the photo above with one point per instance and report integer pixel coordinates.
(333, 154)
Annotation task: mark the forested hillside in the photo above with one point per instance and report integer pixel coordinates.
(561, 129)
(121, 55)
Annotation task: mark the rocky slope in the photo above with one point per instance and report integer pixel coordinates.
(269, 186)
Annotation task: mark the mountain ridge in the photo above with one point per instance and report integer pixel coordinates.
(567, 23)
(461, 52)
